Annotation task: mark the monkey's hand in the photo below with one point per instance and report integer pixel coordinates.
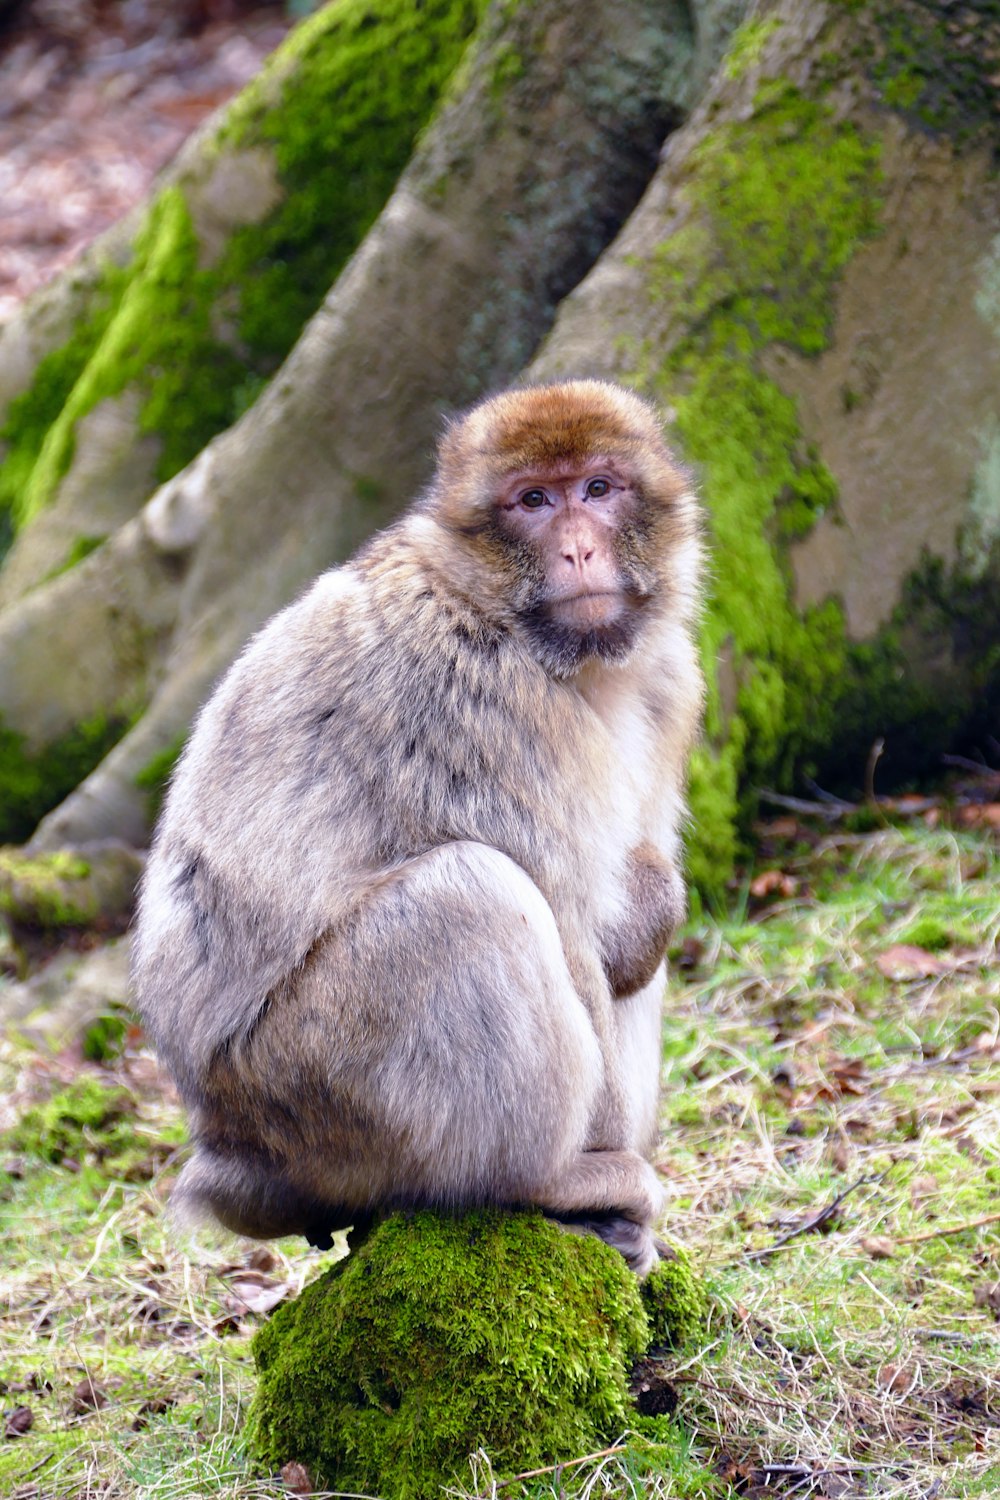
(655, 907)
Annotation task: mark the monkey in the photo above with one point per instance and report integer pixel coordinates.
(401, 934)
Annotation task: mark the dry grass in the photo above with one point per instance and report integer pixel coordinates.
(860, 1358)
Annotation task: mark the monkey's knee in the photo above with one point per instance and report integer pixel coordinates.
(516, 1063)
(443, 1021)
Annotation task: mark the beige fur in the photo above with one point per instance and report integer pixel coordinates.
(398, 864)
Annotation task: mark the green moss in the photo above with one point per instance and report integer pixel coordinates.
(747, 45)
(33, 782)
(367, 77)
(676, 1302)
(46, 890)
(89, 1116)
(780, 203)
(939, 65)
(948, 619)
(339, 106)
(31, 415)
(440, 1336)
(104, 1038)
(160, 340)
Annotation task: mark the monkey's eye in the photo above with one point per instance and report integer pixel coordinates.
(598, 488)
(533, 499)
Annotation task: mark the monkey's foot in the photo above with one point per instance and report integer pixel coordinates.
(320, 1236)
(636, 1242)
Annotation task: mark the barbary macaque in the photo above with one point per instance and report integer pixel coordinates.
(401, 934)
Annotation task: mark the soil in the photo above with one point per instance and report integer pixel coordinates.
(95, 97)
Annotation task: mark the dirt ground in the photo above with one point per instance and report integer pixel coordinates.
(95, 97)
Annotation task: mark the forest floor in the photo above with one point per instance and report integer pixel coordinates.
(831, 1156)
(95, 97)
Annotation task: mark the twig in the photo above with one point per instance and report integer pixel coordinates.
(874, 756)
(935, 1234)
(570, 1463)
(963, 763)
(47, 1459)
(816, 1222)
(831, 811)
(830, 798)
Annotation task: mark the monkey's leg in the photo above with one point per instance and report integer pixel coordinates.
(431, 1050)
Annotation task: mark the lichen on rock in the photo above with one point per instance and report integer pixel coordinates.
(439, 1336)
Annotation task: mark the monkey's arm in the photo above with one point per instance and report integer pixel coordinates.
(654, 909)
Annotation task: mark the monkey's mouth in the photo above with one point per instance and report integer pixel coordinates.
(589, 611)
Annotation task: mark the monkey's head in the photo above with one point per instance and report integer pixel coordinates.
(578, 518)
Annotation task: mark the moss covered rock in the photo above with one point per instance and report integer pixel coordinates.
(67, 888)
(676, 1302)
(440, 1336)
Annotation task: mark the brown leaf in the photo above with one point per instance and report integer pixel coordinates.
(879, 1247)
(297, 1479)
(779, 828)
(773, 883)
(87, 1397)
(988, 1298)
(691, 954)
(841, 1154)
(154, 1407)
(983, 815)
(904, 961)
(252, 1296)
(897, 1379)
(261, 1259)
(18, 1422)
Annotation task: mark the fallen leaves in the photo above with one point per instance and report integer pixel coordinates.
(903, 962)
(297, 1479)
(92, 106)
(988, 1298)
(258, 1295)
(18, 1422)
(773, 883)
(898, 1379)
(87, 1397)
(879, 1246)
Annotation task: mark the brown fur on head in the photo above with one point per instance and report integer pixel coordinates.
(625, 547)
(548, 426)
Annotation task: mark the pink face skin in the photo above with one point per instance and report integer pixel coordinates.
(570, 517)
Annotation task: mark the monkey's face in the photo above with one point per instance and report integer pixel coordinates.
(573, 533)
(574, 521)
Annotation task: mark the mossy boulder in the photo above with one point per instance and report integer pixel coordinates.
(67, 888)
(441, 1336)
(676, 1302)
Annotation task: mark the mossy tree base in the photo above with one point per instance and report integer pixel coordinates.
(441, 1336)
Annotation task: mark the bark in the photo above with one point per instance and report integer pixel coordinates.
(450, 293)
